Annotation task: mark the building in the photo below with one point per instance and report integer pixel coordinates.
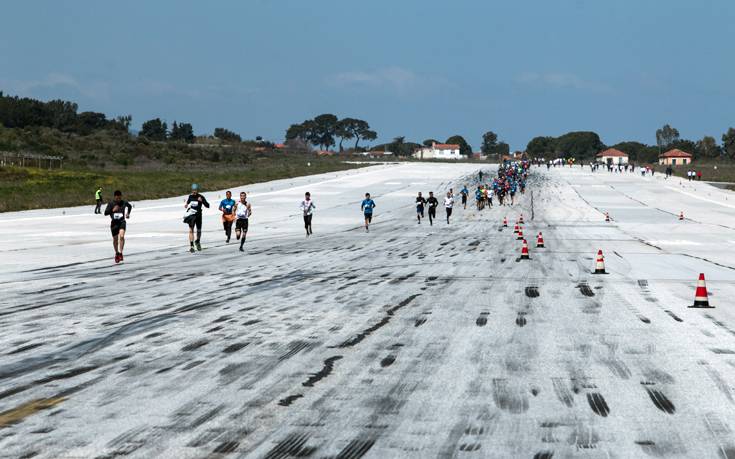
(438, 151)
(675, 157)
(611, 157)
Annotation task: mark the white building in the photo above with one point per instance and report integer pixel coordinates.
(612, 157)
(438, 151)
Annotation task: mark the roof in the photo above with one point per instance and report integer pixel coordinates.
(612, 152)
(675, 153)
(446, 146)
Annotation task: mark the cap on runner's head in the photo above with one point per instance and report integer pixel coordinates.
(194, 187)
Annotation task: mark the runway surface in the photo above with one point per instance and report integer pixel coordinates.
(410, 341)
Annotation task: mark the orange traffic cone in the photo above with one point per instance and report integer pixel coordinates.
(700, 296)
(600, 264)
(520, 234)
(681, 215)
(515, 230)
(520, 220)
(524, 251)
(505, 222)
(539, 241)
(607, 217)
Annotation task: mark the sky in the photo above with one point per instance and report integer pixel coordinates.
(414, 68)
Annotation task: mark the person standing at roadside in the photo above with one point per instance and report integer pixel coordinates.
(243, 211)
(367, 207)
(227, 207)
(194, 204)
(98, 198)
(307, 207)
(118, 210)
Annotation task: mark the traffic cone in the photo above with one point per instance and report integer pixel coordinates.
(681, 215)
(524, 251)
(600, 264)
(700, 296)
(607, 217)
(520, 220)
(515, 230)
(505, 222)
(539, 241)
(520, 234)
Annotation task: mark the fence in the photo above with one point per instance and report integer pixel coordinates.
(21, 159)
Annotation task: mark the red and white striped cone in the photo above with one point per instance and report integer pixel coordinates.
(701, 299)
(540, 241)
(524, 251)
(515, 230)
(505, 222)
(520, 219)
(607, 217)
(681, 215)
(600, 264)
(520, 234)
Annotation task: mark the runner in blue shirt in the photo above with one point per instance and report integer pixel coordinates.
(367, 207)
(227, 207)
(464, 192)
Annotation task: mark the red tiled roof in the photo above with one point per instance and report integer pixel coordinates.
(675, 153)
(612, 152)
(446, 146)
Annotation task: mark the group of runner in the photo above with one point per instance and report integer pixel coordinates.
(511, 178)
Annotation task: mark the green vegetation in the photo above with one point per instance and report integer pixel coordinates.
(32, 188)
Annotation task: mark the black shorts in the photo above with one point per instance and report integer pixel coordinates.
(449, 211)
(369, 218)
(307, 219)
(420, 210)
(242, 224)
(432, 211)
(196, 221)
(464, 199)
(116, 226)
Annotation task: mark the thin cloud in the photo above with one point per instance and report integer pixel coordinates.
(392, 78)
(58, 82)
(562, 80)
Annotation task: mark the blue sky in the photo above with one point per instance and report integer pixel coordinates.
(418, 68)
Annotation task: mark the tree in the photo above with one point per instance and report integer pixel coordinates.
(325, 128)
(666, 136)
(580, 145)
(353, 128)
(502, 148)
(154, 129)
(638, 152)
(707, 148)
(489, 143)
(123, 122)
(226, 135)
(540, 146)
(728, 143)
(429, 142)
(183, 132)
(88, 122)
(464, 148)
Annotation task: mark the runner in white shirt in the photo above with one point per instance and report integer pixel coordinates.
(243, 211)
(448, 204)
(307, 207)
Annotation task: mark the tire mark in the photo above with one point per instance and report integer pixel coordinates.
(383, 322)
(532, 292)
(598, 404)
(661, 401)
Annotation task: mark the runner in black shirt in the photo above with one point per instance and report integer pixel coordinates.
(118, 210)
(433, 203)
(420, 202)
(194, 204)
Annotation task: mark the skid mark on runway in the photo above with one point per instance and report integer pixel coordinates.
(481, 321)
(585, 289)
(509, 398)
(598, 404)
(325, 371)
(521, 319)
(356, 448)
(294, 445)
(661, 401)
(562, 391)
(532, 292)
(717, 378)
(383, 322)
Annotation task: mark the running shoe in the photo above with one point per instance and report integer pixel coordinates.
(117, 258)
(191, 249)
(199, 246)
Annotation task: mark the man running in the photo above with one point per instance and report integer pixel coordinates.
(227, 207)
(464, 192)
(98, 197)
(307, 207)
(420, 202)
(478, 197)
(243, 211)
(194, 204)
(448, 205)
(118, 210)
(433, 204)
(367, 207)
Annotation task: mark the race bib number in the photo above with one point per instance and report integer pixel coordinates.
(117, 215)
(194, 203)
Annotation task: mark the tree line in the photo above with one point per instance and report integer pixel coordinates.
(584, 145)
(323, 130)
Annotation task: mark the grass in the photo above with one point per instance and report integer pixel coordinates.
(33, 188)
(724, 172)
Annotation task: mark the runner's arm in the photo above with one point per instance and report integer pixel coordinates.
(130, 209)
(108, 209)
(204, 201)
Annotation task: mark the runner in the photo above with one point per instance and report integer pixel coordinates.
(478, 197)
(194, 204)
(367, 207)
(98, 197)
(227, 207)
(420, 202)
(464, 192)
(448, 205)
(118, 210)
(433, 204)
(307, 207)
(243, 211)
